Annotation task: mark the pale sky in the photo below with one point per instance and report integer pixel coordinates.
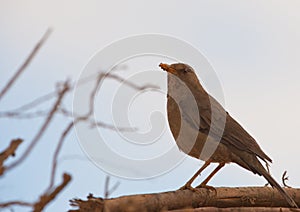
(253, 46)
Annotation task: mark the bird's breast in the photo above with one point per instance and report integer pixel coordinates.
(188, 138)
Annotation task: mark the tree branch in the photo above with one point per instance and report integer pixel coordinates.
(44, 198)
(25, 64)
(182, 199)
(45, 125)
(10, 151)
(48, 197)
(57, 150)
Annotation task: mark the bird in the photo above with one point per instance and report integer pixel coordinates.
(200, 124)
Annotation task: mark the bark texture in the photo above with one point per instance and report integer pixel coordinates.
(220, 199)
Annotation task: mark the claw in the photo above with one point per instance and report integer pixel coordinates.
(187, 187)
(207, 187)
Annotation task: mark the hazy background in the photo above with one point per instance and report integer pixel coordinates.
(254, 47)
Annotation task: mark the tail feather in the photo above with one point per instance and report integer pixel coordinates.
(288, 198)
(251, 163)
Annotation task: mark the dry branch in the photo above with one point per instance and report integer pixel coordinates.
(183, 199)
(29, 110)
(44, 199)
(40, 133)
(240, 209)
(10, 151)
(48, 197)
(25, 64)
(57, 150)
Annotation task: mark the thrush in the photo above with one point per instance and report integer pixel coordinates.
(204, 130)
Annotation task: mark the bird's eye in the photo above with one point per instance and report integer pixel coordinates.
(185, 70)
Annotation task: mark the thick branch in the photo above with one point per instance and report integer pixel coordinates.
(240, 209)
(174, 200)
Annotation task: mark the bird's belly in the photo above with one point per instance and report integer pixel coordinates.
(197, 144)
(188, 139)
(192, 141)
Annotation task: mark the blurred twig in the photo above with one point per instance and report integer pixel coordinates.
(44, 198)
(108, 191)
(25, 64)
(11, 203)
(58, 148)
(36, 101)
(22, 115)
(45, 125)
(29, 110)
(131, 84)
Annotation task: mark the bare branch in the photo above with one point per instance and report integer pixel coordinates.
(112, 127)
(93, 94)
(44, 199)
(58, 148)
(29, 110)
(25, 64)
(100, 77)
(9, 151)
(131, 84)
(22, 115)
(239, 209)
(106, 185)
(19, 112)
(86, 118)
(108, 191)
(12, 203)
(112, 189)
(93, 124)
(36, 102)
(183, 199)
(45, 125)
(48, 197)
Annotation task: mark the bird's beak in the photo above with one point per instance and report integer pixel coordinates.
(167, 68)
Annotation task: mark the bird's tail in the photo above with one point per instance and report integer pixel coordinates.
(273, 183)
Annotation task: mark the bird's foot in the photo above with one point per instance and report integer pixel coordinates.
(207, 187)
(187, 187)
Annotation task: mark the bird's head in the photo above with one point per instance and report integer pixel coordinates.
(183, 71)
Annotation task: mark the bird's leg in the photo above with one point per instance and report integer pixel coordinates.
(203, 184)
(188, 184)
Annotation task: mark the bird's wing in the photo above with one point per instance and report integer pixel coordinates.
(220, 124)
(235, 134)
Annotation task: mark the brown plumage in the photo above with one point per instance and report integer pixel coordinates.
(204, 130)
